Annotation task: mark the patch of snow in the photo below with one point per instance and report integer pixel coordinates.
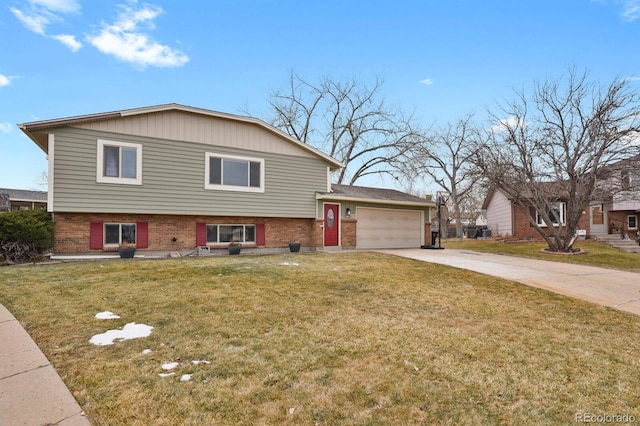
(169, 365)
(186, 377)
(290, 264)
(199, 361)
(166, 374)
(147, 351)
(107, 315)
(130, 331)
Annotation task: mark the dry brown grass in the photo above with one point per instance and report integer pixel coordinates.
(349, 338)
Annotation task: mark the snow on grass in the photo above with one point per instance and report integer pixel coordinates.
(290, 264)
(147, 351)
(174, 364)
(170, 365)
(106, 315)
(130, 331)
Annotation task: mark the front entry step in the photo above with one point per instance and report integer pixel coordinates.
(616, 241)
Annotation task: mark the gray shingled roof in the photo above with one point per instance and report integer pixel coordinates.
(366, 193)
(24, 195)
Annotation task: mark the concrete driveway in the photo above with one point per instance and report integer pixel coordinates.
(608, 287)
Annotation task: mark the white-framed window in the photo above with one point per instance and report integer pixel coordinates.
(556, 211)
(632, 222)
(119, 162)
(117, 233)
(233, 173)
(218, 233)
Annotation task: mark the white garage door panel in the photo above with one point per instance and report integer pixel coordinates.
(385, 228)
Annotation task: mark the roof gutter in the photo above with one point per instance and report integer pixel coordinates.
(426, 204)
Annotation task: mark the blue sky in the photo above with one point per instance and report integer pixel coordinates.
(440, 59)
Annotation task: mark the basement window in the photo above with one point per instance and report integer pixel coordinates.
(117, 233)
(227, 233)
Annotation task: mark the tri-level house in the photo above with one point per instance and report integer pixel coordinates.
(174, 178)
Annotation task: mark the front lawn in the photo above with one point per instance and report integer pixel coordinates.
(328, 339)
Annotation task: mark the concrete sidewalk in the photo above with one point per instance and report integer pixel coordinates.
(608, 287)
(31, 391)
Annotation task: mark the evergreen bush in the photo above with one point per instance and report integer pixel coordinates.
(25, 234)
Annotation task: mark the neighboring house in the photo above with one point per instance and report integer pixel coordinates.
(19, 199)
(505, 218)
(618, 209)
(173, 177)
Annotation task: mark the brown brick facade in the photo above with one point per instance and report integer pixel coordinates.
(72, 230)
(348, 237)
(618, 222)
(523, 229)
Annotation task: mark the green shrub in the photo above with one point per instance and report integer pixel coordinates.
(25, 234)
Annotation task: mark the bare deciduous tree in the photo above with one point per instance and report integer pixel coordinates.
(545, 151)
(445, 156)
(346, 120)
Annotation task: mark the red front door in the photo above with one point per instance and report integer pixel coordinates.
(331, 224)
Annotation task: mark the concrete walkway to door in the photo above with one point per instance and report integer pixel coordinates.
(608, 287)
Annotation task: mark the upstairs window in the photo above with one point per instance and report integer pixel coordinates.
(119, 162)
(233, 173)
(630, 180)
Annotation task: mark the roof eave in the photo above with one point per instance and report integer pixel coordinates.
(332, 197)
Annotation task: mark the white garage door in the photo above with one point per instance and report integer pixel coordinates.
(386, 228)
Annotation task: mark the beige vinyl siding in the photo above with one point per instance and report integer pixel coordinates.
(173, 180)
(190, 127)
(499, 215)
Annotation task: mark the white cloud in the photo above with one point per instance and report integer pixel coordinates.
(507, 123)
(426, 82)
(126, 39)
(62, 6)
(41, 13)
(630, 10)
(5, 128)
(36, 22)
(69, 41)
(4, 80)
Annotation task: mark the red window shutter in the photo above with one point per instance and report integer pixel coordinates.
(142, 237)
(201, 234)
(260, 238)
(95, 235)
